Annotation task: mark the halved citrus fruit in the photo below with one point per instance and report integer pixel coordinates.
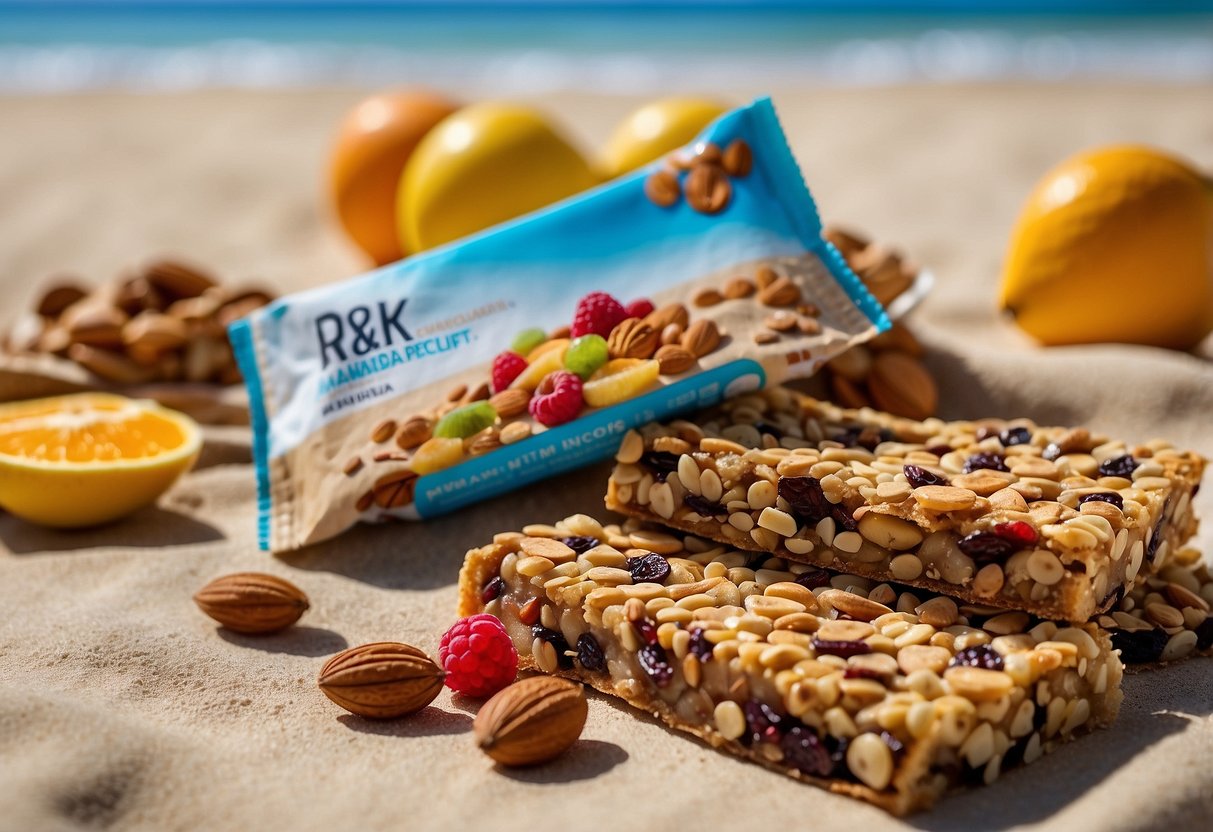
(90, 458)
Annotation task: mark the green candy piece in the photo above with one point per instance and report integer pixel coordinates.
(585, 355)
(527, 340)
(466, 421)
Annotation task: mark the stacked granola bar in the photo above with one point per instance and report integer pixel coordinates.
(883, 607)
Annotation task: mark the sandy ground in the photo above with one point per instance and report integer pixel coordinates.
(121, 707)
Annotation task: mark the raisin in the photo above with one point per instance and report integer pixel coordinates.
(581, 543)
(1142, 646)
(558, 642)
(846, 649)
(765, 427)
(700, 646)
(1204, 634)
(662, 463)
(1015, 436)
(979, 655)
(838, 756)
(704, 506)
(987, 461)
(940, 450)
(804, 752)
(1104, 497)
(843, 518)
(649, 569)
(1118, 466)
(654, 662)
(917, 476)
(1155, 539)
(986, 546)
(861, 673)
(805, 498)
(813, 577)
(589, 653)
(762, 722)
(646, 630)
(492, 590)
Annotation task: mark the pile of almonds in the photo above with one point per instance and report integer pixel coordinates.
(706, 186)
(166, 322)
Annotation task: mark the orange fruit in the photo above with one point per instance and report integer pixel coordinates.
(90, 458)
(373, 144)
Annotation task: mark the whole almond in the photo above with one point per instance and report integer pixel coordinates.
(765, 276)
(234, 310)
(854, 364)
(707, 297)
(95, 323)
(177, 279)
(709, 154)
(672, 334)
(110, 366)
(738, 158)
(662, 188)
(633, 338)
(674, 313)
(415, 431)
(154, 331)
(738, 287)
(847, 393)
(707, 188)
(383, 431)
(486, 441)
(673, 359)
(510, 402)
(252, 602)
(59, 297)
(882, 271)
(900, 384)
(766, 336)
(702, 337)
(479, 393)
(137, 294)
(848, 242)
(531, 721)
(395, 490)
(782, 292)
(384, 680)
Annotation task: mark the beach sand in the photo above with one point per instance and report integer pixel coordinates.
(122, 707)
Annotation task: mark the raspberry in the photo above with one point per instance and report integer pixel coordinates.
(558, 399)
(597, 313)
(638, 308)
(478, 656)
(506, 367)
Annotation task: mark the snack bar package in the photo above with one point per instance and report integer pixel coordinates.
(532, 348)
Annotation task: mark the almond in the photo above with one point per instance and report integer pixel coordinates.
(418, 429)
(486, 441)
(662, 188)
(154, 331)
(383, 431)
(396, 489)
(765, 276)
(633, 338)
(738, 287)
(58, 298)
(252, 602)
(384, 680)
(95, 323)
(674, 313)
(781, 292)
(738, 158)
(900, 384)
(898, 337)
(673, 359)
(177, 279)
(109, 365)
(531, 721)
(701, 338)
(707, 188)
(510, 402)
(848, 242)
(136, 294)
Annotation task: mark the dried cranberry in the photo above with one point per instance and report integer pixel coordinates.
(861, 673)
(662, 463)
(765, 427)
(804, 752)
(581, 543)
(654, 662)
(1118, 466)
(704, 506)
(700, 646)
(1015, 436)
(917, 476)
(646, 630)
(838, 756)
(805, 498)
(762, 722)
(813, 577)
(843, 518)
(649, 569)
(846, 649)
(1051, 452)
(589, 653)
(1017, 531)
(492, 590)
(1204, 634)
(987, 461)
(979, 655)
(986, 546)
(558, 642)
(1143, 646)
(1104, 497)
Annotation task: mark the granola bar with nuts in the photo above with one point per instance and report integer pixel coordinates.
(1059, 522)
(891, 697)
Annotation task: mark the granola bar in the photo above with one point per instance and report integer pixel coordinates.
(1059, 522)
(890, 698)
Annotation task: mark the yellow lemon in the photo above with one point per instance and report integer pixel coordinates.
(483, 165)
(1115, 245)
(91, 457)
(654, 130)
(373, 144)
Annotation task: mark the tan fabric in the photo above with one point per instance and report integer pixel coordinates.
(122, 707)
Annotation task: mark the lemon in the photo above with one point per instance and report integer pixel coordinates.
(1114, 245)
(485, 164)
(90, 458)
(654, 130)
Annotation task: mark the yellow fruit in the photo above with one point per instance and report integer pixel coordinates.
(435, 454)
(1115, 245)
(373, 143)
(619, 380)
(485, 164)
(546, 358)
(91, 457)
(654, 130)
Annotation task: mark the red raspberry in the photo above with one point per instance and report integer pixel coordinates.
(478, 656)
(557, 399)
(506, 367)
(597, 313)
(639, 308)
(1017, 531)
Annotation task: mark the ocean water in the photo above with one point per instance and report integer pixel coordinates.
(534, 46)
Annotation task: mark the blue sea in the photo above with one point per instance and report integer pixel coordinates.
(547, 45)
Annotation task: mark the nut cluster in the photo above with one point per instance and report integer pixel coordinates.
(167, 322)
(706, 185)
